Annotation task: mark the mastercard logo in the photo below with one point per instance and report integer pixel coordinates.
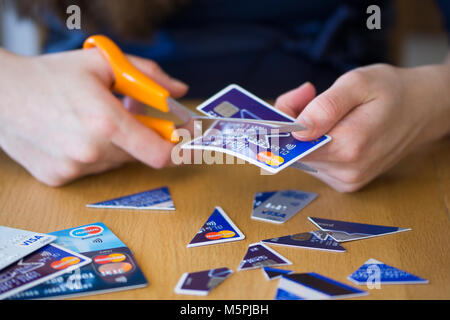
(113, 257)
(220, 235)
(64, 263)
(86, 231)
(270, 159)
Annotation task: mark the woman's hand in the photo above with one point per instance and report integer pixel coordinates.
(375, 116)
(59, 119)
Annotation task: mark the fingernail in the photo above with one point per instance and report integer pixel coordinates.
(179, 83)
(305, 84)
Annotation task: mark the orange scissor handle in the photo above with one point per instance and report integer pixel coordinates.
(133, 83)
(129, 80)
(165, 128)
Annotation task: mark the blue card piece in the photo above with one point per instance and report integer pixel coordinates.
(308, 240)
(201, 282)
(280, 206)
(313, 286)
(113, 266)
(156, 199)
(342, 231)
(270, 151)
(286, 295)
(274, 273)
(259, 255)
(217, 229)
(260, 197)
(374, 271)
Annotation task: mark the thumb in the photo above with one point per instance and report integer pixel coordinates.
(294, 101)
(327, 109)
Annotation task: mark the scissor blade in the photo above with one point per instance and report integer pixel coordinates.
(182, 112)
(304, 167)
(280, 126)
(187, 115)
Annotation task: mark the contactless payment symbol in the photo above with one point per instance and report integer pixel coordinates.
(219, 228)
(87, 231)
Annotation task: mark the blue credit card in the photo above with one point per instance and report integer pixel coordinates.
(113, 266)
(271, 152)
(155, 199)
(342, 231)
(374, 271)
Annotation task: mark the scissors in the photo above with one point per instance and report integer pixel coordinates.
(131, 82)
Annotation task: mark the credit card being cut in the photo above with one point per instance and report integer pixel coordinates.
(257, 144)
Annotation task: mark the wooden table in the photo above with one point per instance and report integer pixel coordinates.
(415, 194)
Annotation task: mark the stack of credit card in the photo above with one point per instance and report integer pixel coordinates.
(84, 260)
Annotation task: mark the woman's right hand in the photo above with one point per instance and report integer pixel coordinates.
(60, 120)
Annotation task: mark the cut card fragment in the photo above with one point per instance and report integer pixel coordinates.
(275, 273)
(44, 264)
(343, 231)
(259, 255)
(280, 206)
(16, 244)
(155, 199)
(260, 144)
(217, 229)
(373, 272)
(313, 286)
(202, 282)
(316, 240)
(113, 266)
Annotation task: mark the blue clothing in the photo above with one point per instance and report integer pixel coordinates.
(266, 46)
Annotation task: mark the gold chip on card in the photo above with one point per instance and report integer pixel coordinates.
(226, 109)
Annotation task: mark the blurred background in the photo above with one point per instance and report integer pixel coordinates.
(418, 36)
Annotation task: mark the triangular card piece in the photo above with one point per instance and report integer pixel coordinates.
(156, 199)
(373, 272)
(342, 231)
(315, 287)
(274, 273)
(317, 240)
(280, 206)
(259, 255)
(202, 282)
(282, 294)
(219, 228)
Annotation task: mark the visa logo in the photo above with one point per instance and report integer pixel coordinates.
(274, 214)
(31, 241)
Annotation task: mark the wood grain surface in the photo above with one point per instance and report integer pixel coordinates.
(414, 194)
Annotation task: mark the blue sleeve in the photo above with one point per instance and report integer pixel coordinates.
(444, 6)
